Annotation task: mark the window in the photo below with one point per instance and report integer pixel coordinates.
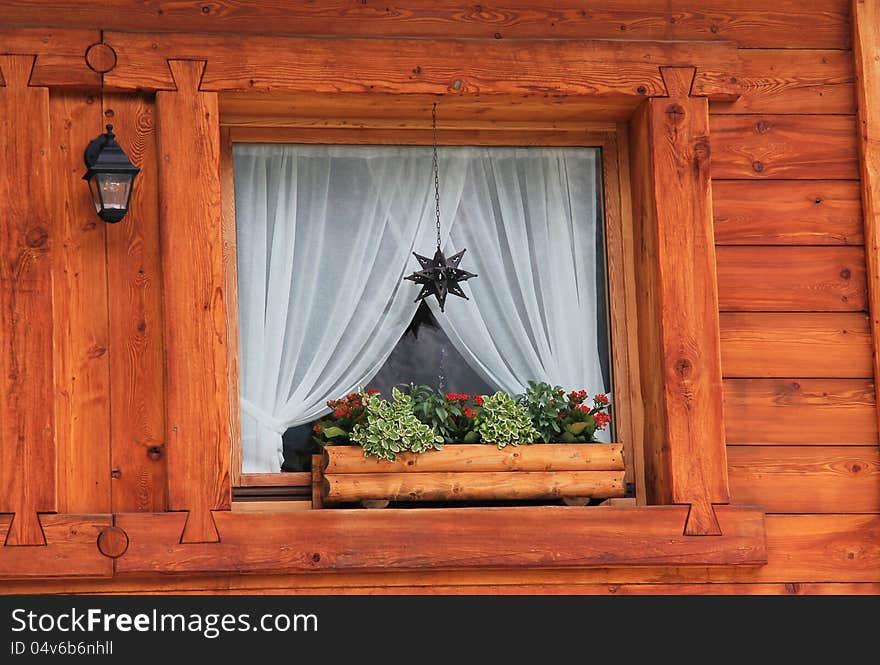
(325, 234)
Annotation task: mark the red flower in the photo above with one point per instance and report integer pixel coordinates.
(317, 428)
(584, 408)
(602, 399)
(478, 400)
(372, 391)
(450, 397)
(602, 420)
(468, 412)
(339, 412)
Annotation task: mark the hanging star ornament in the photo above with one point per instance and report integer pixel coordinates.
(440, 276)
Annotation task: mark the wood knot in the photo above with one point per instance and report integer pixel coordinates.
(757, 166)
(100, 58)
(113, 542)
(762, 127)
(845, 273)
(154, 453)
(683, 367)
(702, 151)
(96, 351)
(675, 114)
(642, 90)
(316, 557)
(36, 237)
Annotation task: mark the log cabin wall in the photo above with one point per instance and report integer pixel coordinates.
(796, 341)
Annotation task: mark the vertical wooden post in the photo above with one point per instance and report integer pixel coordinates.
(196, 373)
(866, 50)
(137, 376)
(79, 284)
(678, 296)
(27, 452)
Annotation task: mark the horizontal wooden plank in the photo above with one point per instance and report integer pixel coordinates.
(793, 81)
(490, 136)
(787, 212)
(61, 53)
(555, 536)
(800, 411)
(471, 486)
(71, 549)
(784, 24)
(806, 479)
(784, 146)
(413, 111)
(288, 479)
(480, 457)
(804, 552)
(612, 69)
(813, 344)
(791, 279)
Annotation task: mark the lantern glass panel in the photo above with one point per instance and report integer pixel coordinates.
(114, 189)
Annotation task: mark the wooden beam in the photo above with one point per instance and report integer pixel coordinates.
(782, 24)
(866, 47)
(81, 344)
(417, 538)
(71, 549)
(60, 53)
(787, 212)
(679, 323)
(603, 69)
(27, 423)
(792, 279)
(784, 147)
(196, 374)
(134, 272)
(801, 411)
(806, 479)
(803, 344)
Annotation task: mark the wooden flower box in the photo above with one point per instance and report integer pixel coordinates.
(574, 472)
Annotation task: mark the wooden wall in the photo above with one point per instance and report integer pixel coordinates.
(800, 403)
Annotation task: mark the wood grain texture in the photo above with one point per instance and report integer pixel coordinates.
(784, 146)
(70, 551)
(787, 212)
(610, 69)
(679, 192)
(800, 411)
(802, 551)
(784, 24)
(480, 457)
(134, 273)
(866, 46)
(793, 81)
(79, 299)
(471, 486)
(814, 344)
(316, 540)
(830, 279)
(27, 423)
(806, 479)
(657, 489)
(331, 110)
(60, 53)
(193, 283)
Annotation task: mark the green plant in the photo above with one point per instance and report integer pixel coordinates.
(544, 402)
(503, 422)
(451, 415)
(392, 427)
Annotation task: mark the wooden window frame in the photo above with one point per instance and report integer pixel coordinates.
(661, 89)
(253, 126)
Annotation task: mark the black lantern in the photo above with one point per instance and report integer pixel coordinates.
(111, 176)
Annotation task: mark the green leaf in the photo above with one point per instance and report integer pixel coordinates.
(332, 432)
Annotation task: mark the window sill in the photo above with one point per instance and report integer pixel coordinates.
(401, 539)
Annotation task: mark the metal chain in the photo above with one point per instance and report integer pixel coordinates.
(436, 168)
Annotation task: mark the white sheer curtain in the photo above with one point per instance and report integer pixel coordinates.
(528, 218)
(324, 237)
(326, 233)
